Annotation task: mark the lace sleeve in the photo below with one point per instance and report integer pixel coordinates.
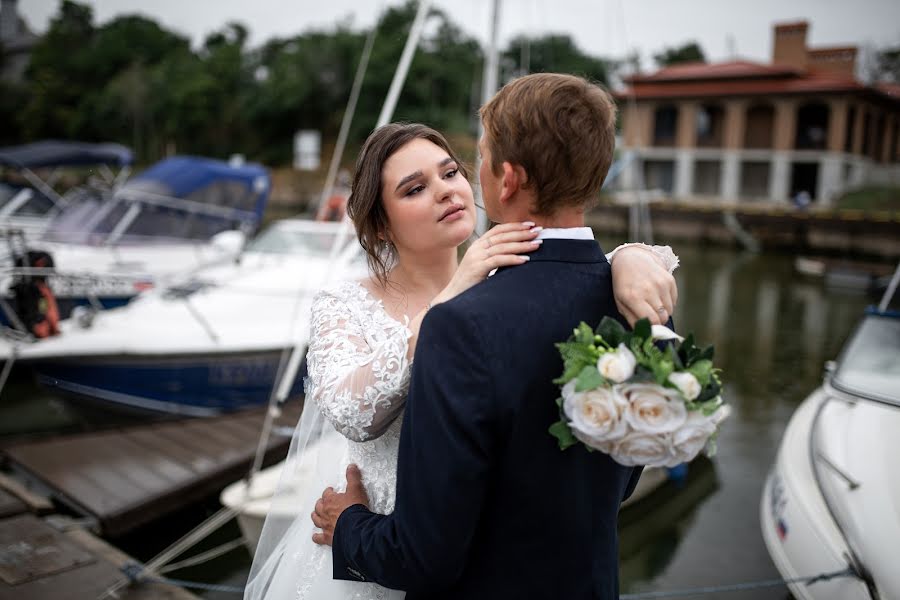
(358, 369)
(665, 253)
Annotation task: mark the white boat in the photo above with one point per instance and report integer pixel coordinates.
(832, 498)
(181, 214)
(211, 343)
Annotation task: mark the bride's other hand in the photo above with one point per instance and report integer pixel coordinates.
(642, 286)
(502, 246)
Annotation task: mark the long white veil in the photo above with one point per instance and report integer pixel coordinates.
(313, 461)
(312, 464)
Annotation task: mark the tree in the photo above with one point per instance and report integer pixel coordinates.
(554, 53)
(689, 52)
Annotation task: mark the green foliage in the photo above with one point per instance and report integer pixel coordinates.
(576, 355)
(611, 331)
(690, 52)
(588, 379)
(133, 81)
(560, 430)
(553, 53)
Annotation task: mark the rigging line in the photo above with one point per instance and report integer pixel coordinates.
(348, 115)
(739, 587)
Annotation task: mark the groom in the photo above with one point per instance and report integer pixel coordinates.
(487, 505)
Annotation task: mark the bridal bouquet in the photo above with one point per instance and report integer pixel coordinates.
(641, 405)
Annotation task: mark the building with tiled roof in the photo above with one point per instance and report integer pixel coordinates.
(741, 130)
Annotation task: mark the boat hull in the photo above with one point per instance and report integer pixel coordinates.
(798, 530)
(188, 385)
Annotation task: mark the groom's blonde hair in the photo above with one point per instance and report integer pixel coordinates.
(560, 129)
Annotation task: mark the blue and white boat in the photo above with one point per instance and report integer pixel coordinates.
(212, 342)
(181, 214)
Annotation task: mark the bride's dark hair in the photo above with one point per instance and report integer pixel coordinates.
(365, 205)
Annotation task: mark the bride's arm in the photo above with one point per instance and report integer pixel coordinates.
(643, 282)
(360, 389)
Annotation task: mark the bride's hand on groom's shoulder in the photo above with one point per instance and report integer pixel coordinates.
(642, 286)
(504, 245)
(330, 506)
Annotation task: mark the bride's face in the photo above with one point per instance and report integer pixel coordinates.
(429, 204)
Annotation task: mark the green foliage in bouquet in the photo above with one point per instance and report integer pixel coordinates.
(584, 348)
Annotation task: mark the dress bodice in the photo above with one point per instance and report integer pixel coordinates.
(359, 377)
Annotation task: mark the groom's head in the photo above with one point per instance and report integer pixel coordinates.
(548, 143)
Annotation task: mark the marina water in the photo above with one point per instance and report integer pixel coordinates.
(773, 330)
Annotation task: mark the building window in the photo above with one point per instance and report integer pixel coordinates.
(660, 175)
(710, 124)
(893, 157)
(755, 180)
(867, 134)
(812, 126)
(850, 129)
(707, 178)
(759, 131)
(665, 125)
(878, 146)
(805, 180)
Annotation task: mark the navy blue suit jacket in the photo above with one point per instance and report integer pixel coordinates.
(487, 505)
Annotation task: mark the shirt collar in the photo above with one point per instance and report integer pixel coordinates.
(566, 233)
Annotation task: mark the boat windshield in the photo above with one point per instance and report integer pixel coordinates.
(869, 365)
(288, 240)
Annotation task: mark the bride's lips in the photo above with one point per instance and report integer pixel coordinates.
(452, 213)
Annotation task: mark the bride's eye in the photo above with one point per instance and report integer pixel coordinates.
(451, 173)
(414, 190)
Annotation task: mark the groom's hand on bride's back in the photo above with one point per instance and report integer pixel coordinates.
(332, 504)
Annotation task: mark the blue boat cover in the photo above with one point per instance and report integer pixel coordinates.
(181, 176)
(60, 154)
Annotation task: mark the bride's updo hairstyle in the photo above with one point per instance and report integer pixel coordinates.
(365, 205)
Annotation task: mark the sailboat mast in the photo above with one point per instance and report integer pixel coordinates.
(489, 83)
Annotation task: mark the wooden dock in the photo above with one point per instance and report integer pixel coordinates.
(53, 559)
(125, 478)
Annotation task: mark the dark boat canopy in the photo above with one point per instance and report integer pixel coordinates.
(243, 187)
(62, 154)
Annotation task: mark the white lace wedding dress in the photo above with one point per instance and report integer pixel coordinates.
(358, 378)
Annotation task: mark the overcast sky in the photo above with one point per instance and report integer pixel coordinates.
(609, 28)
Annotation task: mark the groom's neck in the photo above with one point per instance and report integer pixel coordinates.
(561, 219)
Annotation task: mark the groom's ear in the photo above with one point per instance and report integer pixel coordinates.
(514, 178)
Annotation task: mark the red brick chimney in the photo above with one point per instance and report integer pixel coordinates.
(789, 45)
(839, 60)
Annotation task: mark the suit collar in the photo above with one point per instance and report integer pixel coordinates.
(571, 251)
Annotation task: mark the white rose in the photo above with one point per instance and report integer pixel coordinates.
(652, 408)
(595, 416)
(647, 449)
(691, 437)
(617, 366)
(687, 384)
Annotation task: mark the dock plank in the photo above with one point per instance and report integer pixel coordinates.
(42, 563)
(10, 505)
(127, 477)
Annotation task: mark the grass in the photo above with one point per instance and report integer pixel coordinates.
(871, 198)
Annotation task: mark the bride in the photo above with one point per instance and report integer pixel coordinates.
(412, 207)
